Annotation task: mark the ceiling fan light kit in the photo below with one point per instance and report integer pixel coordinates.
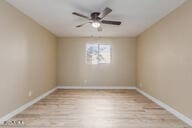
(96, 24)
(96, 19)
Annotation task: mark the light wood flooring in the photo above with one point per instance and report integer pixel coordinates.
(97, 109)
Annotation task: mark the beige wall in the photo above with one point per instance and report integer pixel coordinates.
(165, 59)
(27, 59)
(72, 69)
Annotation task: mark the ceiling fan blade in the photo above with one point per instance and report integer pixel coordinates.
(78, 14)
(81, 25)
(105, 12)
(111, 22)
(99, 29)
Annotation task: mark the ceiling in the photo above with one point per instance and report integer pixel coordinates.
(56, 15)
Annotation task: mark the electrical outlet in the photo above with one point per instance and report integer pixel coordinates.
(30, 93)
(141, 85)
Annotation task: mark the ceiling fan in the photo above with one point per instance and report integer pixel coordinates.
(96, 19)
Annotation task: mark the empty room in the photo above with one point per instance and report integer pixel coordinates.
(95, 63)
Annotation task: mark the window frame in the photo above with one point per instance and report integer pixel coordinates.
(98, 44)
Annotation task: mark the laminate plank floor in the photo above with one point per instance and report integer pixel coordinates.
(96, 109)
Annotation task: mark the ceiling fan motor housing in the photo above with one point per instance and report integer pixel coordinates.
(95, 16)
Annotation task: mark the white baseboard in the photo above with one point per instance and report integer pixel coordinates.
(97, 87)
(25, 106)
(167, 107)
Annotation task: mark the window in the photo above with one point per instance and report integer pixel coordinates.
(98, 53)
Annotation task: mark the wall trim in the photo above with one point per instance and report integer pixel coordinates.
(97, 87)
(25, 106)
(167, 107)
